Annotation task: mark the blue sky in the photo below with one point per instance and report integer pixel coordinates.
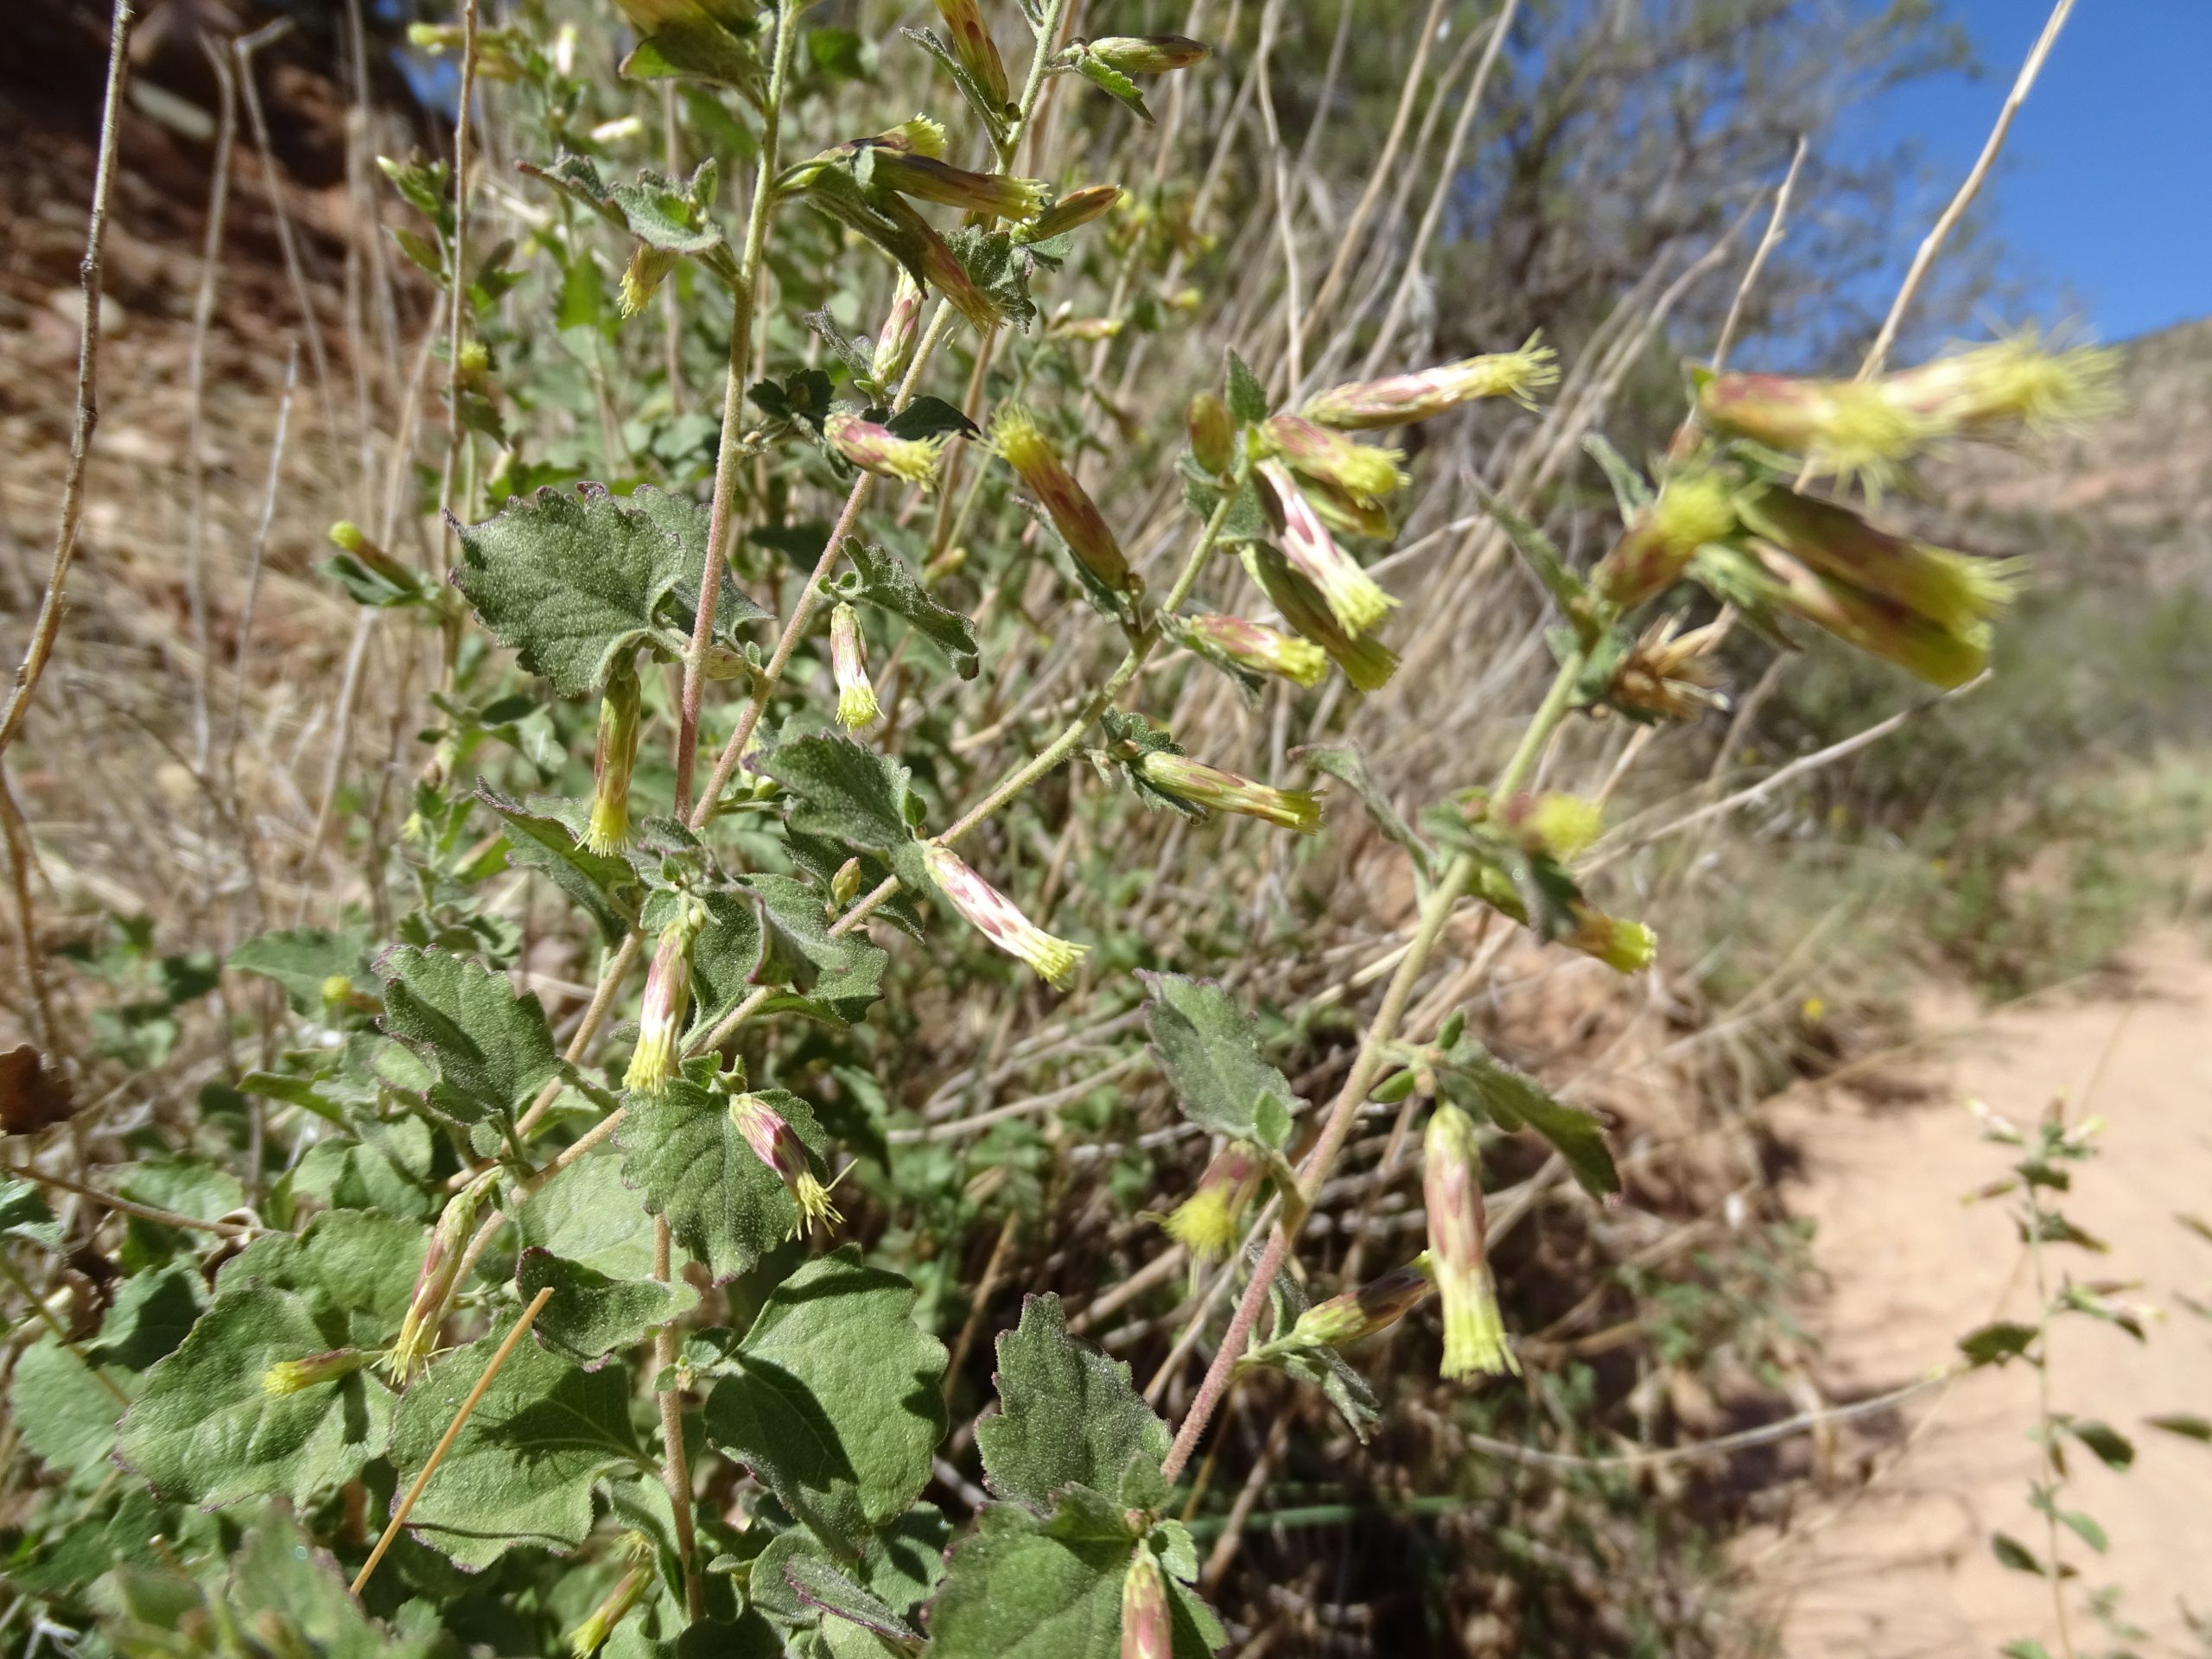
(2104, 195)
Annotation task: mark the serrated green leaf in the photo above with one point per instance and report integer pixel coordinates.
(821, 1586)
(591, 1315)
(899, 1565)
(1013, 1591)
(383, 1170)
(1247, 397)
(690, 1163)
(205, 1431)
(1210, 1048)
(522, 1469)
(725, 958)
(1514, 1100)
(492, 1048)
(835, 1402)
(570, 584)
(590, 1216)
(969, 87)
(62, 1412)
(278, 1570)
(884, 581)
(1067, 1414)
(840, 973)
(604, 887)
(999, 266)
(304, 959)
(355, 1270)
(24, 1213)
(185, 1186)
(843, 789)
(821, 858)
(1115, 85)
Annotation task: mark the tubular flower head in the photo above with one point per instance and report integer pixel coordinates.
(1213, 434)
(857, 704)
(1147, 1631)
(994, 915)
(1559, 825)
(1262, 649)
(1368, 663)
(1669, 678)
(1626, 947)
(926, 179)
(919, 135)
(349, 537)
(1016, 436)
(1996, 390)
(1075, 210)
(1206, 1222)
(426, 1309)
(776, 1144)
(642, 276)
(1692, 509)
(894, 341)
(667, 1000)
(293, 1375)
(878, 450)
(1925, 608)
(973, 46)
(1146, 54)
(1844, 426)
(1352, 596)
(613, 755)
(1451, 1186)
(1376, 1306)
(1225, 792)
(1364, 405)
(1361, 471)
(629, 1590)
(939, 266)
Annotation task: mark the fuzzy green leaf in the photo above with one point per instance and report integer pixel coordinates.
(711, 41)
(884, 581)
(603, 886)
(1994, 1344)
(1115, 85)
(843, 789)
(569, 584)
(1247, 397)
(383, 1170)
(1514, 1100)
(304, 959)
(279, 1570)
(725, 958)
(835, 1401)
(492, 1048)
(591, 1315)
(522, 1469)
(691, 1164)
(355, 1269)
(62, 1412)
(841, 973)
(24, 1213)
(1210, 1048)
(1013, 1591)
(899, 1566)
(152, 1314)
(1067, 1414)
(205, 1432)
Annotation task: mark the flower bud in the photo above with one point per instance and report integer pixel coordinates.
(642, 276)
(1401, 398)
(996, 916)
(1213, 433)
(1376, 1306)
(857, 704)
(434, 1285)
(1560, 826)
(349, 537)
(776, 1144)
(940, 267)
(1994, 389)
(1452, 1187)
(1260, 648)
(1145, 54)
(1075, 210)
(973, 46)
(878, 450)
(1147, 1631)
(894, 341)
(846, 883)
(1361, 471)
(629, 1590)
(1692, 509)
(293, 1375)
(1626, 947)
(613, 755)
(1225, 792)
(1368, 663)
(1354, 599)
(917, 135)
(1949, 591)
(667, 1000)
(926, 179)
(1843, 426)
(1206, 1222)
(1016, 436)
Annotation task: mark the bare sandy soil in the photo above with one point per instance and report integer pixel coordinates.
(1895, 1559)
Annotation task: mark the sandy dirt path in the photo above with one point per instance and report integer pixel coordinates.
(1900, 1564)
